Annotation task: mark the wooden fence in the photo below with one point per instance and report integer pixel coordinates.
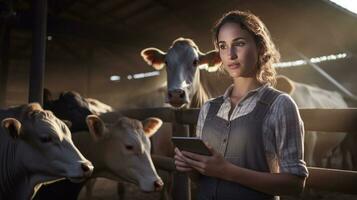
(327, 120)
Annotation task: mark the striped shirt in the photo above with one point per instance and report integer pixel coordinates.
(283, 129)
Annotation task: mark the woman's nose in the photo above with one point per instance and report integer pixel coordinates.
(232, 53)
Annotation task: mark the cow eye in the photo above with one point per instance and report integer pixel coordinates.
(129, 147)
(46, 139)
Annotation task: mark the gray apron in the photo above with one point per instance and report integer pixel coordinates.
(240, 141)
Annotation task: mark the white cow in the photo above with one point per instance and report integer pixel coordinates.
(183, 78)
(119, 148)
(36, 148)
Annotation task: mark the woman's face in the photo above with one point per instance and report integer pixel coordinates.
(238, 51)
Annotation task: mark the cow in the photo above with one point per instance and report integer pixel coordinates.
(184, 88)
(35, 149)
(182, 62)
(70, 106)
(105, 145)
(97, 107)
(132, 162)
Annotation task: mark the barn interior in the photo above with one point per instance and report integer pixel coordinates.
(93, 46)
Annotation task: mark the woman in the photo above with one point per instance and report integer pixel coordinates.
(254, 132)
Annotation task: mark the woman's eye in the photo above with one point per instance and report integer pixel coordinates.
(239, 44)
(46, 139)
(222, 46)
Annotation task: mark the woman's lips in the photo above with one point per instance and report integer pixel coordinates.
(234, 66)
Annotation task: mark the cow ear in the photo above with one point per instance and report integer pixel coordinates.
(96, 127)
(154, 57)
(12, 126)
(211, 58)
(151, 125)
(67, 122)
(284, 84)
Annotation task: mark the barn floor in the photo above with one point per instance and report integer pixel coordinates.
(105, 189)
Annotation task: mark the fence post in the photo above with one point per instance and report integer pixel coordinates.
(181, 182)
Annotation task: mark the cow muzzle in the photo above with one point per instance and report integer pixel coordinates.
(87, 170)
(177, 98)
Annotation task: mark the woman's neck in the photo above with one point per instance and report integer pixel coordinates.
(241, 86)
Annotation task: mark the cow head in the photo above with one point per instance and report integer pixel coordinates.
(69, 106)
(181, 61)
(45, 147)
(125, 145)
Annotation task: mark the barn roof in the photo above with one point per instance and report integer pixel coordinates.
(90, 40)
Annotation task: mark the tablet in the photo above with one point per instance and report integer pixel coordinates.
(191, 144)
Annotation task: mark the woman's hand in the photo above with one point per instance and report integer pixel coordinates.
(180, 163)
(207, 165)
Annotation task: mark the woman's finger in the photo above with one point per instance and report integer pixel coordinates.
(180, 158)
(181, 163)
(177, 151)
(193, 163)
(183, 169)
(194, 156)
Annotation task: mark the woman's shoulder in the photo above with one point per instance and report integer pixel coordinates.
(284, 101)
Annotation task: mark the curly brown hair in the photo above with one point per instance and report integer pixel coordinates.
(268, 54)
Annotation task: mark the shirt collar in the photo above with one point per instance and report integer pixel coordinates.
(251, 92)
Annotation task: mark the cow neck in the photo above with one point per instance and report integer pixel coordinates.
(200, 95)
(14, 180)
(89, 149)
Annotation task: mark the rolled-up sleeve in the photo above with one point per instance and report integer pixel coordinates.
(288, 131)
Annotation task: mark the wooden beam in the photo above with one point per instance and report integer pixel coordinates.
(37, 71)
(4, 60)
(332, 180)
(65, 5)
(65, 28)
(165, 114)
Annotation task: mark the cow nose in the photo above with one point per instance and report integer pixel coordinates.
(177, 97)
(158, 184)
(177, 93)
(87, 169)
